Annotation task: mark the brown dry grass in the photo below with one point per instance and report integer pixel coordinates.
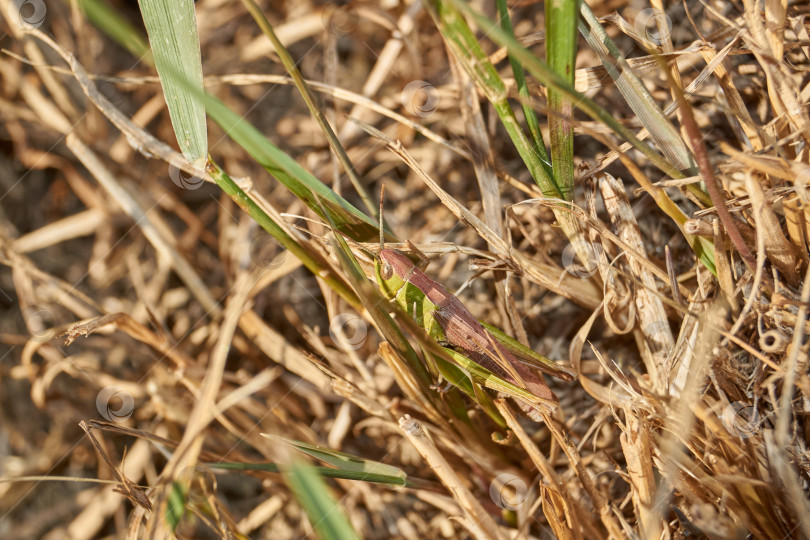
(688, 416)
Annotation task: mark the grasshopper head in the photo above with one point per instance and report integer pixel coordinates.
(391, 269)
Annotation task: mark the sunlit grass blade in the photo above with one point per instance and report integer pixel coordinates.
(309, 98)
(315, 497)
(106, 19)
(298, 180)
(639, 99)
(523, 91)
(340, 460)
(561, 49)
(547, 77)
(462, 41)
(172, 29)
(176, 507)
(635, 93)
(552, 80)
(472, 57)
(311, 261)
(395, 480)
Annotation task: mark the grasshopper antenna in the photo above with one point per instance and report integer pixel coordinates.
(382, 231)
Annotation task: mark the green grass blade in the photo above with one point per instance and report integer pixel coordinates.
(315, 497)
(636, 94)
(326, 472)
(309, 98)
(176, 507)
(523, 91)
(473, 59)
(190, 135)
(172, 29)
(341, 460)
(547, 77)
(101, 15)
(298, 180)
(561, 49)
(312, 262)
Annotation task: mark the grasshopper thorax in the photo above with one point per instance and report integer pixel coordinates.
(392, 270)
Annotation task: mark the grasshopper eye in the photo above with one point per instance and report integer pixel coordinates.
(387, 272)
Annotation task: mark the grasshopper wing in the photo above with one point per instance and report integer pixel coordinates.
(530, 357)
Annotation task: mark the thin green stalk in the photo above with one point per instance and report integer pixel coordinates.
(119, 29)
(326, 472)
(547, 77)
(561, 49)
(523, 91)
(474, 60)
(327, 517)
(316, 266)
(638, 98)
(309, 99)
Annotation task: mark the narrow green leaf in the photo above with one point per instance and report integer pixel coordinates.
(326, 472)
(292, 68)
(561, 49)
(547, 77)
(341, 460)
(298, 180)
(176, 505)
(310, 260)
(172, 29)
(523, 91)
(461, 40)
(315, 497)
(117, 28)
(635, 93)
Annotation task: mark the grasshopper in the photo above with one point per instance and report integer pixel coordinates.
(445, 318)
